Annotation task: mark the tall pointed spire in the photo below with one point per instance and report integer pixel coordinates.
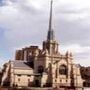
(50, 31)
(50, 21)
(51, 44)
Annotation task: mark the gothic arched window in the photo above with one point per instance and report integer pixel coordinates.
(40, 69)
(63, 70)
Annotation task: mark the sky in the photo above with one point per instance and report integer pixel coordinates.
(25, 22)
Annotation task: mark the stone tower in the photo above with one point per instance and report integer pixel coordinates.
(50, 44)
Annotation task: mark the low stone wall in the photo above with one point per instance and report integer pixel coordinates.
(36, 88)
(86, 89)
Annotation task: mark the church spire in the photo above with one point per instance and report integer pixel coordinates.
(50, 35)
(51, 44)
(50, 21)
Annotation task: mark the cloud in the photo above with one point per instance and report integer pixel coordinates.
(76, 48)
(25, 22)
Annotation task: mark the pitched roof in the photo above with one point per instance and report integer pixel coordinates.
(21, 64)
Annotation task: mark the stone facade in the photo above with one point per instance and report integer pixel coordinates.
(55, 69)
(17, 73)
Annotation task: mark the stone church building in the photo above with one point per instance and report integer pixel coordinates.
(46, 67)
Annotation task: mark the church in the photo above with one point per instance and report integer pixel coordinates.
(46, 67)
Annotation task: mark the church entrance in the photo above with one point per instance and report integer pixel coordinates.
(37, 83)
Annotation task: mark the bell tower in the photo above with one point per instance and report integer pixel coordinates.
(51, 44)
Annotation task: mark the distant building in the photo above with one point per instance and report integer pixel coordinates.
(45, 67)
(85, 74)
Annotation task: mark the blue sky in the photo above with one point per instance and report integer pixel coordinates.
(25, 22)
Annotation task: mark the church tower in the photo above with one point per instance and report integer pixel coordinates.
(50, 44)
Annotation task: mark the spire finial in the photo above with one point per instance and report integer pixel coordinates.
(50, 21)
(50, 31)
